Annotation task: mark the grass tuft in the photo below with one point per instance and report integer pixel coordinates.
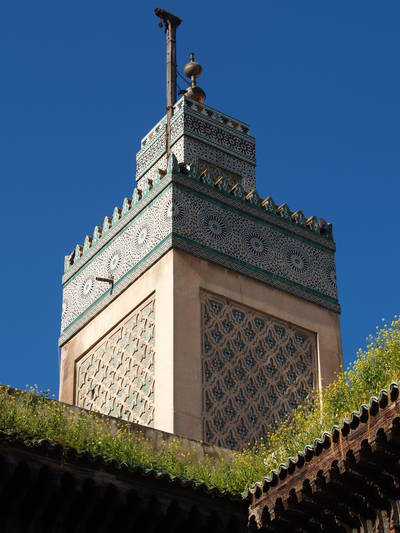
(33, 413)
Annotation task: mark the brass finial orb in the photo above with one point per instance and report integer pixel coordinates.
(193, 71)
(196, 93)
(192, 68)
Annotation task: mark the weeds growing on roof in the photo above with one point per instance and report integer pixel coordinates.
(35, 415)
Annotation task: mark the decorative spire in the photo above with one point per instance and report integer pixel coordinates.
(193, 70)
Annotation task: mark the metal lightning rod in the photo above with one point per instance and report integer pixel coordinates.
(170, 23)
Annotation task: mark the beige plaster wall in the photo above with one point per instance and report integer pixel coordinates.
(177, 279)
(159, 280)
(192, 274)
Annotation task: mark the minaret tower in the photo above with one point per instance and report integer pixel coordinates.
(198, 307)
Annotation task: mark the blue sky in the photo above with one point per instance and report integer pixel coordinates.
(82, 82)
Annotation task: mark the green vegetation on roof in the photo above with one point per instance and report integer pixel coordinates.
(35, 415)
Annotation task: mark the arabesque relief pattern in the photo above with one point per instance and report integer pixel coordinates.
(117, 376)
(206, 136)
(126, 250)
(217, 229)
(255, 370)
(254, 243)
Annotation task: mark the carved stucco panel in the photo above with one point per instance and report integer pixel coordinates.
(255, 370)
(116, 377)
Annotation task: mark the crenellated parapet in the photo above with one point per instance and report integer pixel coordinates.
(109, 223)
(222, 184)
(189, 210)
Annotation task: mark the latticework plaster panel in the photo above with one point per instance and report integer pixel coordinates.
(255, 370)
(117, 376)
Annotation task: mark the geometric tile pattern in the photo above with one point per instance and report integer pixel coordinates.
(116, 377)
(128, 248)
(254, 243)
(181, 213)
(149, 157)
(200, 132)
(233, 142)
(198, 219)
(255, 371)
(197, 151)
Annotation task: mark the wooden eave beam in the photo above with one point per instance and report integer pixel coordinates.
(379, 460)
